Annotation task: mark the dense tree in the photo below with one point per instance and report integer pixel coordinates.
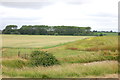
(118, 33)
(10, 29)
(47, 30)
(111, 31)
(94, 30)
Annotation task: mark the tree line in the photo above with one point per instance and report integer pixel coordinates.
(47, 30)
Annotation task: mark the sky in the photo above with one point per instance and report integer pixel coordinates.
(101, 15)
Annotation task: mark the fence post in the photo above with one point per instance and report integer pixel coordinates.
(25, 56)
(19, 54)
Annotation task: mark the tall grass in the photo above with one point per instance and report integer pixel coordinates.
(14, 63)
(65, 70)
(95, 44)
(65, 56)
(89, 57)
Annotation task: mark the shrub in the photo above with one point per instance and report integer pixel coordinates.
(100, 34)
(43, 58)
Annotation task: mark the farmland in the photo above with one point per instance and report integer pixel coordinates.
(79, 56)
(36, 41)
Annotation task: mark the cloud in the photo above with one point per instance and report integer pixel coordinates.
(21, 18)
(30, 5)
(76, 2)
(98, 14)
(105, 15)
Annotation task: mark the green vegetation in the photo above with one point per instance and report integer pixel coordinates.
(106, 33)
(47, 30)
(38, 58)
(55, 30)
(78, 56)
(95, 44)
(64, 71)
(14, 63)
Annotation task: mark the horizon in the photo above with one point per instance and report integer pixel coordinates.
(18, 27)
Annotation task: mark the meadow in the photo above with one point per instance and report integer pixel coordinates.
(79, 56)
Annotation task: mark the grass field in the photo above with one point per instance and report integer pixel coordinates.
(108, 33)
(79, 56)
(36, 41)
(96, 43)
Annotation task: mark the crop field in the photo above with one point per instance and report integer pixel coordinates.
(79, 56)
(36, 41)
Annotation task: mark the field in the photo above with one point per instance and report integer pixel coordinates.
(79, 56)
(107, 33)
(36, 41)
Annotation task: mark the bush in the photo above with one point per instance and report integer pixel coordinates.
(101, 34)
(43, 58)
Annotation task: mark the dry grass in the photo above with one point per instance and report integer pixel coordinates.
(95, 44)
(36, 41)
(65, 71)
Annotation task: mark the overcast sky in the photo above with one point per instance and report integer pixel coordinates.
(98, 14)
